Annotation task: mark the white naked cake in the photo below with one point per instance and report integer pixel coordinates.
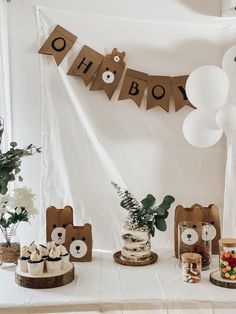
(136, 245)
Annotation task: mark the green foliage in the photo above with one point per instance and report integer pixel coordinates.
(10, 162)
(145, 214)
(14, 217)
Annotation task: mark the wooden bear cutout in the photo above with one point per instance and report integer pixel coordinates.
(56, 221)
(109, 73)
(79, 242)
(199, 213)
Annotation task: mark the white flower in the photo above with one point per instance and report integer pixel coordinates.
(23, 197)
(3, 203)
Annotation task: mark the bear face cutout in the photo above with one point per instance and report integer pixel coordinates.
(108, 76)
(56, 221)
(79, 242)
(189, 236)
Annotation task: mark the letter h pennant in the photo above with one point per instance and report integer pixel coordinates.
(86, 64)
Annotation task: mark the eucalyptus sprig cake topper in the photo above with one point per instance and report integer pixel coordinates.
(145, 215)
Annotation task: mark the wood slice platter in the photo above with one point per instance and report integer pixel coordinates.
(46, 280)
(118, 259)
(216, 279)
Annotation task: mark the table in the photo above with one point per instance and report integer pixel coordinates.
(104, 286)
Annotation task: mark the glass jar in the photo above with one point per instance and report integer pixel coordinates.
(191, 267)
(196, 237)
(9, 247)
(227, 258)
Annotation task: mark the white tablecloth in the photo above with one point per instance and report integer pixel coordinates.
(104, 286)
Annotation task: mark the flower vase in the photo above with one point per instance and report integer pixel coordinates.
(9, 247)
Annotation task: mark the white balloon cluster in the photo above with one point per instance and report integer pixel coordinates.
(212, 91)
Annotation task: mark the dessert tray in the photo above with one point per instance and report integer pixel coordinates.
(216, 279)
(47, 280)
(118, 259)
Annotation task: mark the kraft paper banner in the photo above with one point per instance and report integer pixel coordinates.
(58, 43)
(109, 73)
(86, 64)
(133, 86)
(179, 94)
(159, 92)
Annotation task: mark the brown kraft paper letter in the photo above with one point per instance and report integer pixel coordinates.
(58, 43)
(179, 93)
(86, 64)
(134, 85)
(159, 91)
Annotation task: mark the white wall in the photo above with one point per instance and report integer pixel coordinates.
(25, 71)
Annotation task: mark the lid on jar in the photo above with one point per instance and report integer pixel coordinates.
(190, 257)
(229, 242)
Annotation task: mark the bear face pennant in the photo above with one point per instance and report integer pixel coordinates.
(58, 43)
(79, 242)
(109, 73)
(134, 85)
(56, 221)
(86, 64)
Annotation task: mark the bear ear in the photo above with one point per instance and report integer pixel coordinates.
(69, 228)
(88, 227)
(122, 55)
(114, 51)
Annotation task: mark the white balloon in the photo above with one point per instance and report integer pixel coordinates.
(229, 63)
(226, 119)
(198, 132)
(207, 87)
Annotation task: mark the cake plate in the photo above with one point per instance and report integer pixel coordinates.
(46, 280)
(118, 259)
(216, 279)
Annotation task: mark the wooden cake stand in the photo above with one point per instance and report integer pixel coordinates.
(46, 280)
(216, 279)
(118, 259)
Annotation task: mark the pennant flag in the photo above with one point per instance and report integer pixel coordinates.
(86, 64)
(58, 43)
(133, 86)
(109, 73)
(179, 93)
(159, 91)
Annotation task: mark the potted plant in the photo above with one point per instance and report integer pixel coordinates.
(141, 222)
(16, 205)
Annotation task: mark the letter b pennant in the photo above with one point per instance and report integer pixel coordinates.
(58, 43)
(134, 85)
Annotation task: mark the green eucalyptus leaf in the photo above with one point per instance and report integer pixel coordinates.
(167, 201)
(13, 144)
(148, 201)
(160, 211)
(20, 178)
(160, 224)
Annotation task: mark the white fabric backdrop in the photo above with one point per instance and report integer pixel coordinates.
(89, 141)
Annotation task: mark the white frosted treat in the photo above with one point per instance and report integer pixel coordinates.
(35, 263)
(64, 256)
(32, 247)
(43, 251)
(23, 260)
(54, 262)
(63, 250)
(50, 245)
(136, 245)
